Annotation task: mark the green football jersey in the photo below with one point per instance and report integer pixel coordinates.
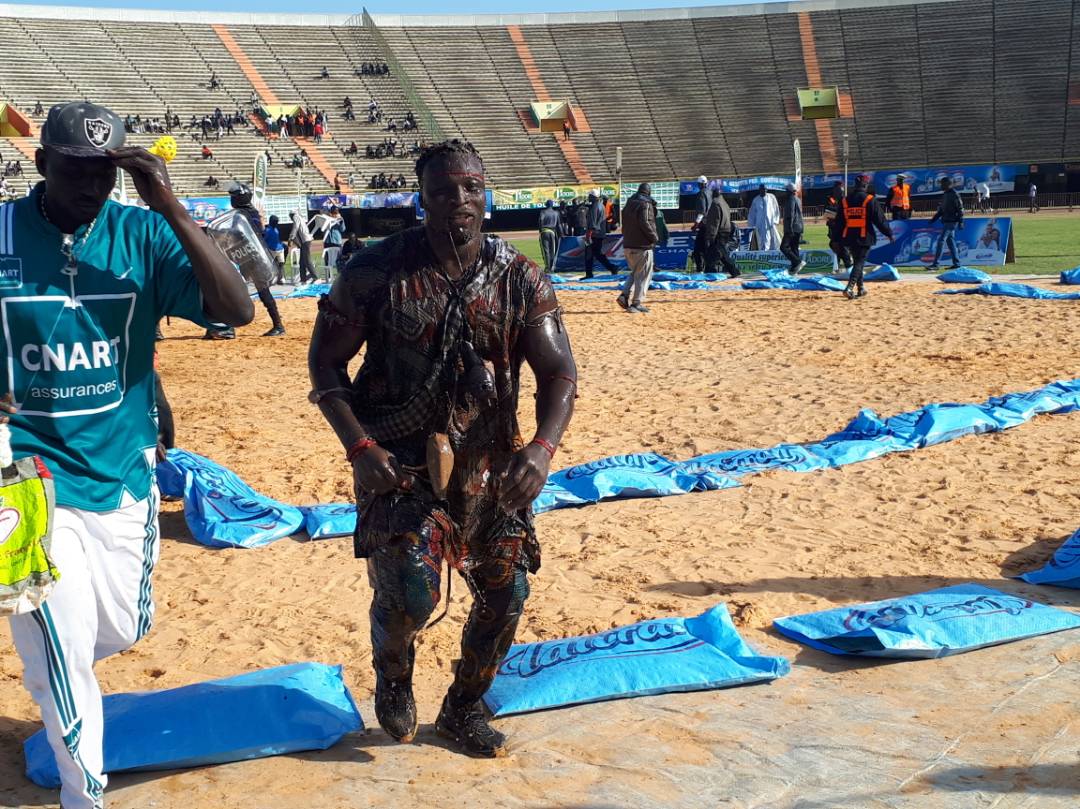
(78, 346)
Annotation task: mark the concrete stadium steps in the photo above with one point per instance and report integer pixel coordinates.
(464, 80)
(748, 93)
(833, 67)
(521, 93)
(559, 81)
(1031, 80)
(608, 88)
(792, 72)
(675, 82)
(956, 46)
(886, 94)
(1072, 112)
(28, 73)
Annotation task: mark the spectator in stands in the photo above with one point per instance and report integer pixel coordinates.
(793, 230)
(548, 226)
(391, 126)
(951, 213)
(857, 217)
(272, 237)
(1033, 198)
(983, 190)
(353, 148)
(899, 200)
(207, 154)
(337, 182)
(719, 236)
(324, 73)
(352, 179)
(347, 103)
(5, 189)
(214, 83)
(211, 182)
(38, 110)
(318, 132)
(764, 216)
(701, 207)
(836, 236)
(639, 240)
(566, 129)
(401, 182)
(269, 158)
(594, 237)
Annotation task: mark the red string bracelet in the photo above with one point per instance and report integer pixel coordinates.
(358, 447)
(547, 445)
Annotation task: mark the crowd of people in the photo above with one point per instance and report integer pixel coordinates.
(214, 125)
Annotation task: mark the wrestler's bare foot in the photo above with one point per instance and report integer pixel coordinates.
(467, 726)
(395, 709)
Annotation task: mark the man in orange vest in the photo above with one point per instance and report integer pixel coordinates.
(899, 200)
(857, 218)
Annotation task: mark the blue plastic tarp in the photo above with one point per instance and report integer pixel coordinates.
(886, 272)
(1063, 569)
(303, 706)
(652, 657)
(927, 625)
(965, 275)
(779, 279)
(1071, 276)
(1014, 291)
(220, 509)
(313, 290)
(329, 520)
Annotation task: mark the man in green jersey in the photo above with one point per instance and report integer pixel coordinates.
(83, 281)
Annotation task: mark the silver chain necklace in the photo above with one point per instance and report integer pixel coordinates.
(68, 243)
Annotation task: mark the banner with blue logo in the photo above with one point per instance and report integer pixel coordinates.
(984, 241)
(672, 255)
(205, 209)
(923, 182)
(323, 202)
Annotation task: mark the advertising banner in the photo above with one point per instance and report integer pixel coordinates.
(515, 199)
(983, 241)
(281, 205)
(665, 195)
(384, 199)
(203, 209)
(751, 261)
(675, 254)
(923, 182)
(324, 201)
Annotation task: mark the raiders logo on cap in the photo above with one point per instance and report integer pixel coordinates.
(98, 131)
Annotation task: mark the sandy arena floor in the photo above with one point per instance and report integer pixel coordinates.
(705, 371)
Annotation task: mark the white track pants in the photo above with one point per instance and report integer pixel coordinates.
(102, 604)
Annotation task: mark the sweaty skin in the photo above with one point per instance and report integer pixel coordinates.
(453, 194)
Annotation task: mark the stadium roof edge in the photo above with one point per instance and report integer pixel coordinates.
(405, 20)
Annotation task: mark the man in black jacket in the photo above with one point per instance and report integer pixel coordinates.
(701, 207)
(594, 237)
(951, 213)
(836, 234)
(717, 235)
(549, 234)
(857, 218)
(793, 230)
(639, 239)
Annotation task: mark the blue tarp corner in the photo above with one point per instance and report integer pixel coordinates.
(1063, 569)
(1071, 277)
(1014, 291)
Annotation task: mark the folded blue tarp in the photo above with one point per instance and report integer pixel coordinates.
(309, 291)
(303, 706)
(934, 624)
(653, 657)
(1014, 291)
(779, 279)
(965, 275)
(1071, 276)
(220, 509)
(868, 436)
(886, 272)
(223, 511)
(1063, 569)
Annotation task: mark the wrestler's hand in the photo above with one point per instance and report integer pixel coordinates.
(376, 471)
(148, 173)
(524, 477)
(7, 407)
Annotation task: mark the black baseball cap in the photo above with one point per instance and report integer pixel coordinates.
(82, 129)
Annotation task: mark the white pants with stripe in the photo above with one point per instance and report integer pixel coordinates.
(102, 604)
